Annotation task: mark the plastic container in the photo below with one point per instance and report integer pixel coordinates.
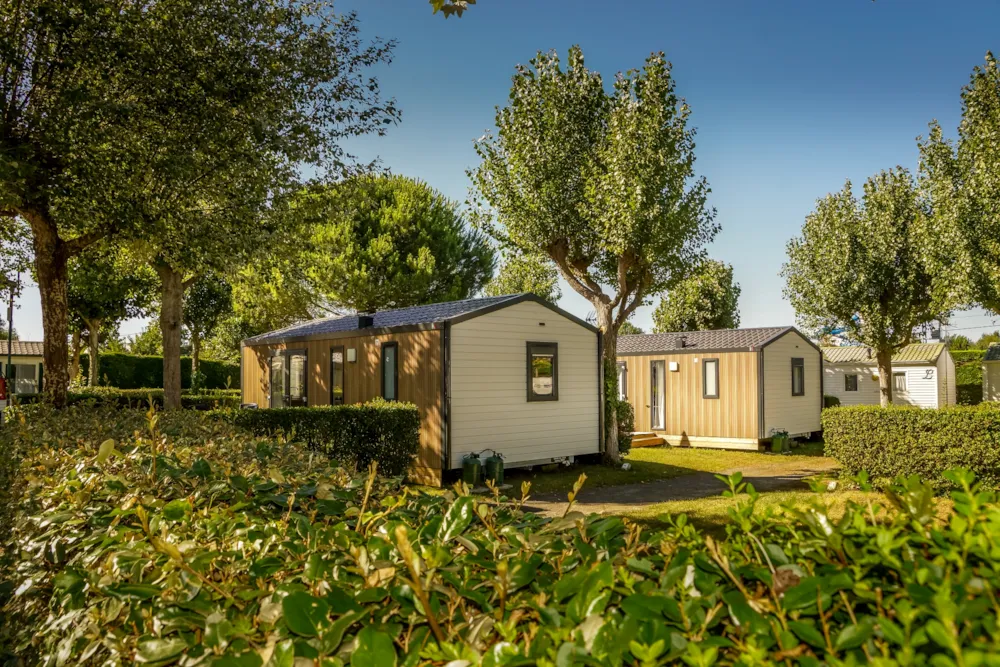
(493, 468)
(472, 469)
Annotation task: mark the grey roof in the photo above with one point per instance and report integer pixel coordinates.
(400, 317)
(719, 339)
(992, 353)
(23, 348)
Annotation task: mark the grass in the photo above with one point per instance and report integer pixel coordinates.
(648, 464)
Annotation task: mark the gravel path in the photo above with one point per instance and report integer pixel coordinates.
(621, 499)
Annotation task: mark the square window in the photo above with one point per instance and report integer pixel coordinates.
(850, 383)
(798, 376)
(710, 378)
(543, 372)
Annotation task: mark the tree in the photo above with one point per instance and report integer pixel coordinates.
(451, 7)
(526, 273)
(861, 267)
(106, 286)
(389, 242)
(208, 301)
(959, 342)
(708, 299)
(628, 329)
(987, 339)
(149, 341)
(602, 184)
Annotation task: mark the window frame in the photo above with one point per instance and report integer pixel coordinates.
(395, 369)
(286, 371)
(898, 374)
(622, 367)
(530, 348)
(704, 377)
(847, 385)
(799, 362)
(343, 374)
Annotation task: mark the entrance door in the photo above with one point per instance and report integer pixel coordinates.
(657, 392)
(278, 389)
(288, 379)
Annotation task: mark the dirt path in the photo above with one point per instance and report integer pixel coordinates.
(620, 499)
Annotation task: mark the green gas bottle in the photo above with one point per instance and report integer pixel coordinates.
(471, 469)
(493, 468)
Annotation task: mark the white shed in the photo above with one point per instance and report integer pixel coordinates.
(923, 375)
(991, 373)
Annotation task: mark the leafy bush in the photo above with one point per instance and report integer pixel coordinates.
(830, 401)
(133, 371)
(969, 376)
(626, 426)
(192, 543)
(207, 399)
(900, 440)
(355, 435)
(967, 356)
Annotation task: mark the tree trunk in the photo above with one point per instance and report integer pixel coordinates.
(74, 366)
(93, 343)
(609, 342)
(195, 354)
(51, 259)
(884, 359)
(171, 306)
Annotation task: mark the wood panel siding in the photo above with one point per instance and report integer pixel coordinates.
(947, 377)
(783, 411)
(419, 371)
(733, 415)
(488, 387)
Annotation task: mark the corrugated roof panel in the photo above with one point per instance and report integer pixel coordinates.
(916, 353)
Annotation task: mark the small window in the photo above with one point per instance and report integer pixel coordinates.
(23, 378)
(710, 378)
(390, 371)
(850, 383)
(798, 376)
(622, 381)
(543, 372)
(899, 382)
(337, 375)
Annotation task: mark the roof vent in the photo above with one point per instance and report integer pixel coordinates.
(683, 342)
(366, 320)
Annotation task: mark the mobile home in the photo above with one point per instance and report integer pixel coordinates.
(923, 375)
(512, 374)
(730, 389)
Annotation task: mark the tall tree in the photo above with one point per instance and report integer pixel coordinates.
(707, 299)
(521, 273)
(627, 328)
(602, 184)
(389, 242)
(106, 286)
(208, 301)
(861, 267)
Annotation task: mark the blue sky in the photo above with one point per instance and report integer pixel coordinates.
(789, 98)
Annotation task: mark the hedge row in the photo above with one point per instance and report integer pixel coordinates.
(186, 541)
(207, 399)
(901, 440)
(132, 371)
(355, 435)
(969, 376)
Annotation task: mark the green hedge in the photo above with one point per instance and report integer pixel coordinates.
(900, 440)
(830, 401)
(355, 435)
(197, 544)
(132, 371)
(207, 399)
(969, 376)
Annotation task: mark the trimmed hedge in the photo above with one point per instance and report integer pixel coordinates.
(208, 399)
(900, 440)
(133, 371)
(830, 401)
(355, 435)
(969, 376)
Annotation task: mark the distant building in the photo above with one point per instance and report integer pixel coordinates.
(25, 370)
(923, 375)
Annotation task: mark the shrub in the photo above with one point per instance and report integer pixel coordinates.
(236, 551)
(900, 440)
(208, 399)
(133, 371)
(626, 425)
(355, 435)
(969, 376)
(830, 401)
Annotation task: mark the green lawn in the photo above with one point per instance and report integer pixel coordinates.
(653, 463)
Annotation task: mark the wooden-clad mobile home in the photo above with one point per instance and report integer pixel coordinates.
(511, 374)
(730, 389)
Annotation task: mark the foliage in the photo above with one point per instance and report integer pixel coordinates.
(988, 339)
(969, 376)
(526, 273)
(387, 432)
(861, 267)
(149, 341)
(903, 440)
(381, 242)
(603, 184)
(200, 399)
(451, 7)
(185, 540)
(133, 371)
(830, 401)
(959, 178)
(627, 329)
(708, 299)
(207, 301)
(626, 426)
(959, 342)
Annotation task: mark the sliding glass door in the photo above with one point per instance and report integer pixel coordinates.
(288, 379)
(657, 392)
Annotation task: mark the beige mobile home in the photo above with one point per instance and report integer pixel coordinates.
(991, 373)
(730, 389)
(512, 374)
(923, 375)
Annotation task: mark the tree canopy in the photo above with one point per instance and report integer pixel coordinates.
(534, 274)
(601, 183)
(382, 242)
(627, 328)
(708, 299)
(861, 266)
